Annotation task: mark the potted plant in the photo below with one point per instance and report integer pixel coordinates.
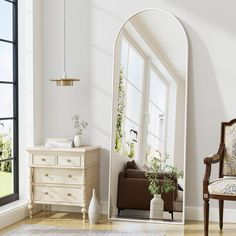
(161, 180)
(79, 126)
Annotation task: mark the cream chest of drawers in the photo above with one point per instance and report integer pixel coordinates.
(63, 176)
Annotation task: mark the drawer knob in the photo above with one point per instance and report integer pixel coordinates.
(43, 159)
(46, 193)
(69, 176)
(69, 194)
(46, 175)
(68, 160)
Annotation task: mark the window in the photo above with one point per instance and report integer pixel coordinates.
(142, 90)
(157, 109)
(129, 100)
(8, 102)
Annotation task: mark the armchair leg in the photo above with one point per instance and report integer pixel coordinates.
(221, 213)
(206, 216)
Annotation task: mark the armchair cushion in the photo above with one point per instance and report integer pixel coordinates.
(223, 186)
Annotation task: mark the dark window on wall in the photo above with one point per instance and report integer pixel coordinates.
(9, 191)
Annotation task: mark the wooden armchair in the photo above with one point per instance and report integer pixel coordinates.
(221, 188)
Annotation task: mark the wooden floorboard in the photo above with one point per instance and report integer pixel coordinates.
(74, 220)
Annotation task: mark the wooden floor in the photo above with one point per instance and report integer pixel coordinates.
(73, 220)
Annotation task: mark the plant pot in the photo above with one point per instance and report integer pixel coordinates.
(156, 207)
(78, 140)
(94, 210)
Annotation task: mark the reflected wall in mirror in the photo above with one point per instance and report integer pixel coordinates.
(147, 164)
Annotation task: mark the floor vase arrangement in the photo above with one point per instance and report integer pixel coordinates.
(94, 210)
(156, 207)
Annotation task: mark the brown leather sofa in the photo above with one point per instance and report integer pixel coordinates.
(133, 190)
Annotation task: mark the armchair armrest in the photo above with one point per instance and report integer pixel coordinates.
(216, 157)
(208, 161)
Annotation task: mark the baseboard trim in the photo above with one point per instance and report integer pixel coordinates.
(196, 213)
(103, 205)
(14, 212)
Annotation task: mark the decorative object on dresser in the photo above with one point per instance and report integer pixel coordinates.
(79, 126)
(63, 176)
(94, 211)
(59, 142)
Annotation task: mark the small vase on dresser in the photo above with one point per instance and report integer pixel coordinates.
(94, 210)
(156, 207)
(77, 140)
(63, 176)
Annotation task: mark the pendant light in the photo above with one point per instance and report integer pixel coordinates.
(64, 80)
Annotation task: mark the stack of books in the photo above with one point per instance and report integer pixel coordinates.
(59, 142)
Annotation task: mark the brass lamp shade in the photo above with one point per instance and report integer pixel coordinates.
(64, 81)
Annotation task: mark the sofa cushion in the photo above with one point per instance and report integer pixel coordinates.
(131, 165)
(143, 167)
(134, 173)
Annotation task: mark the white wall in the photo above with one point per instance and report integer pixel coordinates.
(94, 24)
(30, 83)
(60, 103)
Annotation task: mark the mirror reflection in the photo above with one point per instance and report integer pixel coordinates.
(149, 119)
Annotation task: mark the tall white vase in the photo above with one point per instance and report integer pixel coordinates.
(156, 207)
(78, 140)
(94, 210)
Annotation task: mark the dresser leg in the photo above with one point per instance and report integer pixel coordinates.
(30, 208)
(83, 210)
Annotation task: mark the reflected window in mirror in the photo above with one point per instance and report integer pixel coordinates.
(129, 100)
(140, 83)
(157, 111)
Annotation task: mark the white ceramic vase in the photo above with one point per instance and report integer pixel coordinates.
(156, 207)
(94, 210)
(78, 140)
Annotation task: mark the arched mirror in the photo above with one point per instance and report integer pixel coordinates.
(147, 163)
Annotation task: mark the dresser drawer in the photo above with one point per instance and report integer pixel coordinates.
(58, 176)
(58, 194)
(69, 161)
(47, 160)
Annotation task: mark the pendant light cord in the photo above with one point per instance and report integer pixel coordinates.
(64, 26)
